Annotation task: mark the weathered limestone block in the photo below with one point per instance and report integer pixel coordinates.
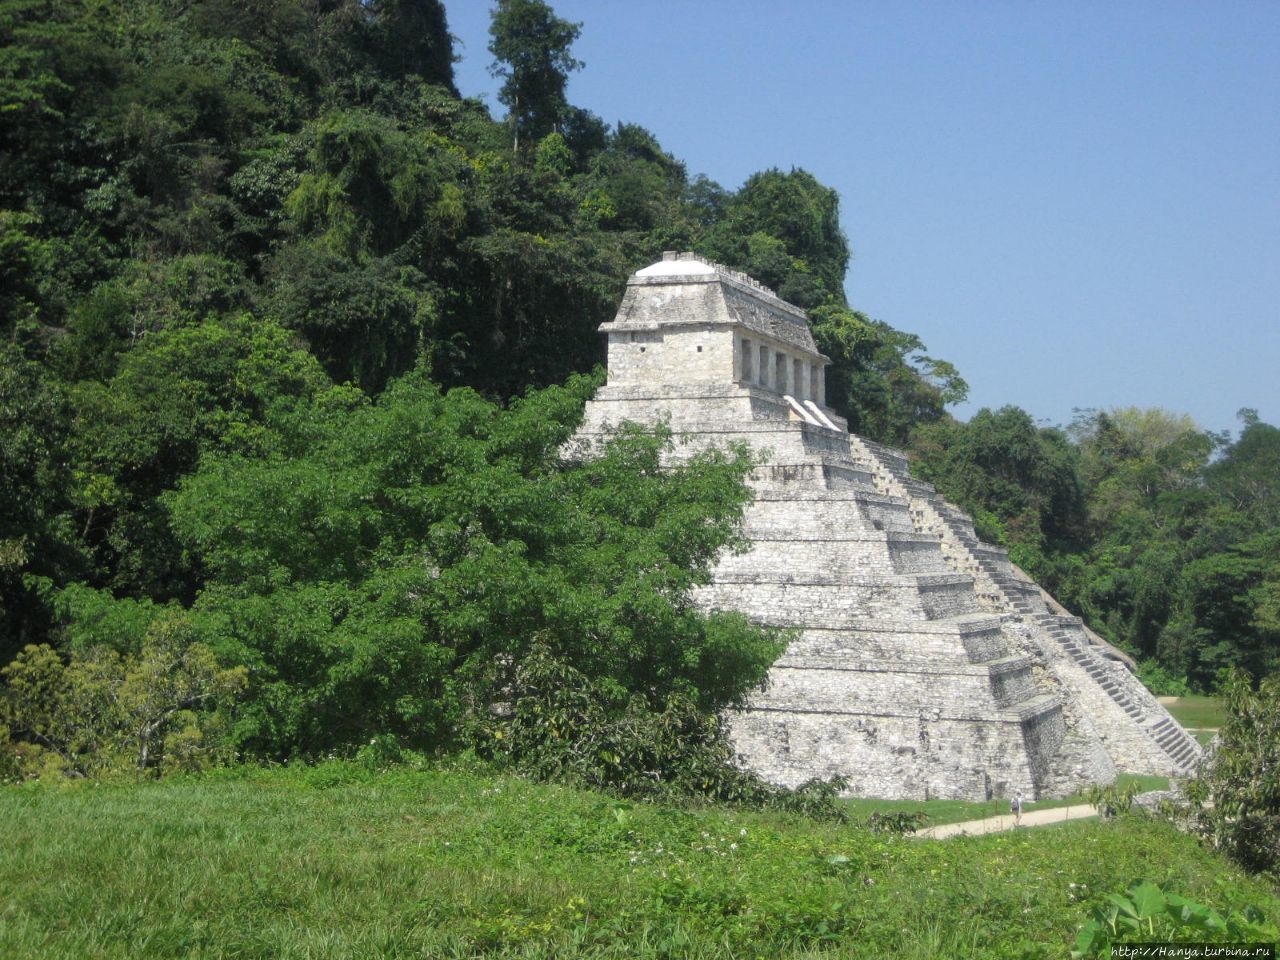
(840, 555)
(819, 512)
(968, 640)
(885, 597)
(923, 756)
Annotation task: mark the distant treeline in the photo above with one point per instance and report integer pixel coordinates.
(1164, 536)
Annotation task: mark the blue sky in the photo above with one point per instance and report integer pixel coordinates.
(1077, 203)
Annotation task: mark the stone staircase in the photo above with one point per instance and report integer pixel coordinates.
(1124, 689)
(1000, 589)
(931, 513)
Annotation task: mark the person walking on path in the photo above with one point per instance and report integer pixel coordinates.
(1016, 807)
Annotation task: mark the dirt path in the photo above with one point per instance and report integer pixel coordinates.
(1031, 818)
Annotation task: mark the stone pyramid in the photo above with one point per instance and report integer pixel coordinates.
(924, 665)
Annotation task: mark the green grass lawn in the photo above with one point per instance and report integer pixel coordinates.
(331, 862)
(1199, 712)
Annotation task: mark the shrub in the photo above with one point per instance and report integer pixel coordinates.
(1112, 800)
(164, 708)
(563, 726)
(1146, 914)
(1242, 777)
(1161, 681)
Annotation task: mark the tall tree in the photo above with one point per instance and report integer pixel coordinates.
(411, 37)
(784, 230)
(1248, 475)
(530, 45)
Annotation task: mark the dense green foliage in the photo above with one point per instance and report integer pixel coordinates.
(387, 565)
(392, 567)
(336, 861)
(268, 286)
(164, 708)
(531, 46)
(1145, 914)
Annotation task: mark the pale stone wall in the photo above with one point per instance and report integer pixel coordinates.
(859, 596)
(862, 552)
(686, 354)
(929, 756)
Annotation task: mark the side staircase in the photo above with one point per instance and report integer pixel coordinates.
(1001, 588)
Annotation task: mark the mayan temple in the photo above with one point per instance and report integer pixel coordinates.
(924, 664)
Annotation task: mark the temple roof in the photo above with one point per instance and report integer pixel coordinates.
(678, 267)
(684, 288)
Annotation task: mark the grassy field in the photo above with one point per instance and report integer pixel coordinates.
(334, 862)
(1200, 713)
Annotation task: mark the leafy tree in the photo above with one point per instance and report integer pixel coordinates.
(145, 297)
(1248, 474)
(366, 320)
(530, 45)
(784, 229)
(180, 393)
(642, 185)
(25, 269)
(1019, 481)
(1229, 595)
(1133, 457)
(405, 37)
(34, 472)
(1243, 776)
(99, 712)
(387, 567)
(879, 379)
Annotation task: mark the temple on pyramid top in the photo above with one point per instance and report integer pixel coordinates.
(922, 663)
(687, 321)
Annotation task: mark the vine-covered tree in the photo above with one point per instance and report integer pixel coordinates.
(1242, 777)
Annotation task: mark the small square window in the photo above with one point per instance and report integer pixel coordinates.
(642, 349)
(699, 348)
